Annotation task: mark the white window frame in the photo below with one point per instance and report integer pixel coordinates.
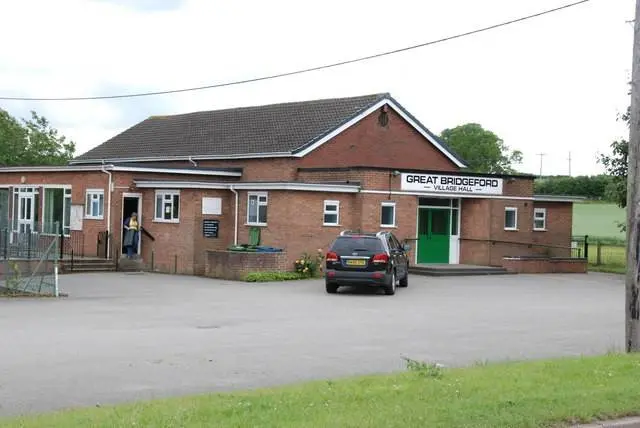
(336, 212)
(164, 193)
(543, 218)
(388, 204)
(88, 200)
(258, 195)
(67, 199)
(514, 210)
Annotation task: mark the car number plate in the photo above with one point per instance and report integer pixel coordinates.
(356, 262)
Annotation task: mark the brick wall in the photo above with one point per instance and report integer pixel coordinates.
(396, 145)
(235, 265)
(545, 265)
(558, 227)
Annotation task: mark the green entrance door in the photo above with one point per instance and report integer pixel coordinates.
(434, 230)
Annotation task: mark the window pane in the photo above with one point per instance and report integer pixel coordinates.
(263, 199)
(454, 222)
(252, 209)
(330, 208)
(510, 219)
(440, 222)
(435, 202)
(67, 215)
(101, 205)
(387, 215)
(331, 218)
(176, 207)
(538, 224)
(167, 210)
(159, 206)
(262, 214)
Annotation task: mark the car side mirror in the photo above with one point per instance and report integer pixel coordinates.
(406, 247)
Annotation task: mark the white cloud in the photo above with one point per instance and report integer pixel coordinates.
(553, 84)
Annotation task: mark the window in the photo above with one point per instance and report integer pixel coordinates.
(57, 211)
(331, 213)
(94, 204)
(257, 209)
(539, 219)
(388, 214)
(511, 218)
(167, 206)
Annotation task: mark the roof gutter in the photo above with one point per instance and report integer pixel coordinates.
(189, 158)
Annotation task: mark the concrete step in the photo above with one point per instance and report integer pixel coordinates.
(88, 266)
(131, 265)
(453, 270)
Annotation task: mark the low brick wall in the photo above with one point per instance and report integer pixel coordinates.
(234, 265)
(544, 265)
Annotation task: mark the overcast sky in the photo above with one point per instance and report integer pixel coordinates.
(554, 84)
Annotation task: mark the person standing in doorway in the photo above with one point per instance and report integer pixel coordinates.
(131, 235)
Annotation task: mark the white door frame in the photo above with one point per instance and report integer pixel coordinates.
(138, 211)
(23, 197)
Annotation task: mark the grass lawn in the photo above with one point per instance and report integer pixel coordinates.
(598, 220)
(523, 394)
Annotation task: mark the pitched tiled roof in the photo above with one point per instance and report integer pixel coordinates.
(260, 130)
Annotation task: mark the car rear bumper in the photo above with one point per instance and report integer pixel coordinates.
(357, 278)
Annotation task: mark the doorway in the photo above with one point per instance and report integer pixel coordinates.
(434, 235)
(131, 203)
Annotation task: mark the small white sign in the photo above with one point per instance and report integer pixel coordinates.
(457, 184)
(212, 206)
(77, 214)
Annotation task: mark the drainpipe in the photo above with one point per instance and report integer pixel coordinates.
(235, 231)
(108, 212)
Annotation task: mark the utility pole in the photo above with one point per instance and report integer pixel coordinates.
(632, 305)
(541, 155)
(569, 159)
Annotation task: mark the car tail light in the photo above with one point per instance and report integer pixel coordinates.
(380, 258)
(332, 257)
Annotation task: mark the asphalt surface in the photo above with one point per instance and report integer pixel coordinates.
(121, 337)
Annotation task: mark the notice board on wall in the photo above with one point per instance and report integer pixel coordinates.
(77, 213)
(210, 228)
(211, 206)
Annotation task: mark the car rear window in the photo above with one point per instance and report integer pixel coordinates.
(351, 244)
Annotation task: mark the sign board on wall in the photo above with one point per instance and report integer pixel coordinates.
(210, 228)
(451, 184)
(212, 206)
(77, 213)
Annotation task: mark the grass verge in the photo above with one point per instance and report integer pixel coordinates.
(608, 269)
(523, 394)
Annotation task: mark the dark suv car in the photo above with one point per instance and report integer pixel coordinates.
(376, 259)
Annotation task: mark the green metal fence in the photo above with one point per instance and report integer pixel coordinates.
(600, 252)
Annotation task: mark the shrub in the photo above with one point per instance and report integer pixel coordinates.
(308, 266)
(272, 276)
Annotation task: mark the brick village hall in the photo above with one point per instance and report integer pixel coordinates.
(298, 172)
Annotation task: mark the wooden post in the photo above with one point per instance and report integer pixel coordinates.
(632, 306)
(598, 253)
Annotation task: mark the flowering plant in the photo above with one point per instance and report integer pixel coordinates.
(308, 266)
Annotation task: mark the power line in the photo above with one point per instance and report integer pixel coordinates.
(305, 70)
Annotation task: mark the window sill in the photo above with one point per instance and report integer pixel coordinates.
(539, 230)
(256, 224)
(331, 225)
(157, 220)
(510, 229)
(88, 217)
(388, 226)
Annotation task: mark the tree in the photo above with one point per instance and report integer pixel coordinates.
(483, 150)
(616, 165)
(32, 142)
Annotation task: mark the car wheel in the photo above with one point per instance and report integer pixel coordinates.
(404, 282)
(390, 289)
(331, 288)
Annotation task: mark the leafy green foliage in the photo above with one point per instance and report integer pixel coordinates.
(592, 187)
(309, 266)
(32, 142)
(272, 276)
(482, 149)
(616, 165)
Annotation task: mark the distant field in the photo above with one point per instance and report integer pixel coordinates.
(597, 220)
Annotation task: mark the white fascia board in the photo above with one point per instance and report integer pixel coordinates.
(184, 158)
(179, 185)
(178, 171)
(545, 198)
(448, 195)
(61, 168)
(308, 187)
(366, 113)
